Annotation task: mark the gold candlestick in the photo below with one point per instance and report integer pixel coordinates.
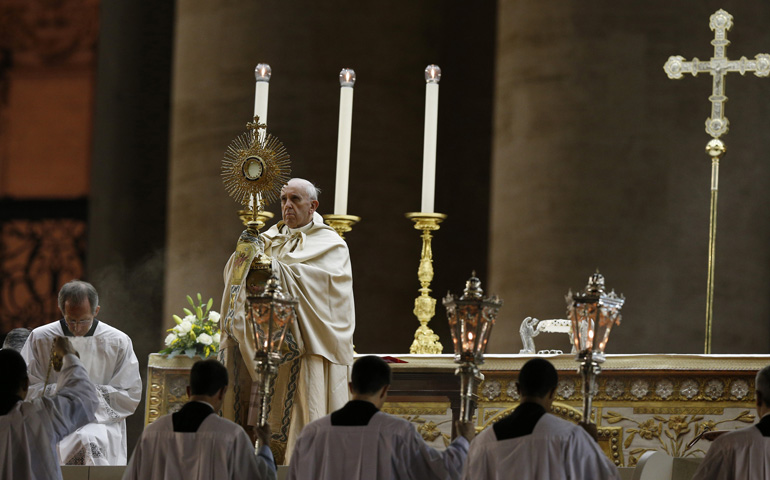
(425, 341)
(341, 223)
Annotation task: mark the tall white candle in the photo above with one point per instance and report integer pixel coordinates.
(432, 77)
(262, 73)
(347, 80)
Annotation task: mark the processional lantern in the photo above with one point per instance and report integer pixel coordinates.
(270, 314)
(471, 318)
(592, 314)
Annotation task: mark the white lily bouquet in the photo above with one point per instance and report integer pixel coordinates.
(195, 334)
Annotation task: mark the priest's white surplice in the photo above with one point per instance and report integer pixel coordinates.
(741, 454)
(555, 450)
(109, 358)
(219, 450)
(30, 431)
(387, 448)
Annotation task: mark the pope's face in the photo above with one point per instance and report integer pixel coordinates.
(79, 317)
(297, 209)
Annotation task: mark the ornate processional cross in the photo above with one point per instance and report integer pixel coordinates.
(716, 125)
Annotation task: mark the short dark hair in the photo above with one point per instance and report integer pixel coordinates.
(207, 377)
(370, 374)
(537, 378)
(75, 292)
(14, 372)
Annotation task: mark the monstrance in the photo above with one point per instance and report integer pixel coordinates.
(254, 169)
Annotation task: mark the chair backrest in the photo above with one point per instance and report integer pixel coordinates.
(654, 465)
(532, 327)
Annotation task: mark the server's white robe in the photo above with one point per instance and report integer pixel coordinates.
(109, 358)
(742, 454)
(387, 448)
(556, 449)
(313, 265)
(219, 450)
(30, 431)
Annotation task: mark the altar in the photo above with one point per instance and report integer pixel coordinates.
(644, 402)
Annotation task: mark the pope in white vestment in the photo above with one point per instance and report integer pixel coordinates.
(109, 358)
(312, 263)
(30, 431)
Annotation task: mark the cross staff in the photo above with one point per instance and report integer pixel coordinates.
(716, 125)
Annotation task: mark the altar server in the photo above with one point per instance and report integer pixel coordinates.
(361, 442)
(535, 444)
(197, 444)
(108, 356)
(30, 430)
(744, 453)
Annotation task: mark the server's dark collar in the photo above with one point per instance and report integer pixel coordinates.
(67, 332)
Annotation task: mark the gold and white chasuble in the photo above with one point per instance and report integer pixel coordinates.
(313, 265)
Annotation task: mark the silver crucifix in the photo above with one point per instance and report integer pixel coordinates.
(717, 124)
(718, 67)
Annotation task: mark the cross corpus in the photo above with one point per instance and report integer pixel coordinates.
(716, 125)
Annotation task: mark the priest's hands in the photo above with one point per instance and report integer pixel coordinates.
(591, 429)
(465, 429)
(264, 434)
(261, 434)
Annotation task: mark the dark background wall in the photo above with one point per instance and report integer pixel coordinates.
(599, 161)
(127, 216)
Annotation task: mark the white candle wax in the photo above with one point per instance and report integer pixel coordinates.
(429, 148)
(347, 80)
(343, 151)
(260, 101)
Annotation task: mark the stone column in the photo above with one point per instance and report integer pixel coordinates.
(599, 163)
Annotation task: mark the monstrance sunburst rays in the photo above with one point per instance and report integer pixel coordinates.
(255, 166)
